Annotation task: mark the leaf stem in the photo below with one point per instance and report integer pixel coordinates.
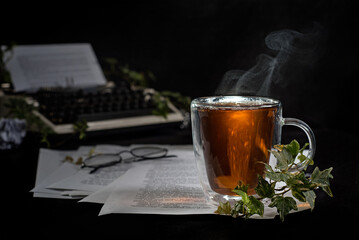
(280, 189)
(282, 193)
(293, 164)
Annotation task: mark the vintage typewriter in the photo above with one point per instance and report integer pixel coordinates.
(68, 85)
(103, 108)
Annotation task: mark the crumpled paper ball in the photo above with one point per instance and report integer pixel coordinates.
(12, 132)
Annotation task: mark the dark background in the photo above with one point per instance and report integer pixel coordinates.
(189, 45)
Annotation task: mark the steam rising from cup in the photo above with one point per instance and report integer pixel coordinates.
(292, 51)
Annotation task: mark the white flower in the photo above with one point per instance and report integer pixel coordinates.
(12, 131)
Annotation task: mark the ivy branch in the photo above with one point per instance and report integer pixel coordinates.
(287, 171)
(143, 79)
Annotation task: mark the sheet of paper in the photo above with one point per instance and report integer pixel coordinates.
(167, 186)
(63, 171)
(48, 162)
(51, 168)
(101, 195)
(54, 65)
(82, 180)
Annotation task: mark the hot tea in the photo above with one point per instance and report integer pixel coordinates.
(231, 139)
(235, 141)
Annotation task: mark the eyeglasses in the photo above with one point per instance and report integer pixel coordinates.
(101, 160)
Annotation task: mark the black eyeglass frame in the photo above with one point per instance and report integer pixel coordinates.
(137, 157)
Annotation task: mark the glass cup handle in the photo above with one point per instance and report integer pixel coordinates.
(308, 131)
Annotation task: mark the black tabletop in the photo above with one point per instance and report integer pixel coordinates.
(43, 217)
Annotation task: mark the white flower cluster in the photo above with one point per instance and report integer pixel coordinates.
(12, 131)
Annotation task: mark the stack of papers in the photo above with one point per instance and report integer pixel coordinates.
(159, 186)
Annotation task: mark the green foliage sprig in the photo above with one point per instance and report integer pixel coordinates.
(288, 171)
(143, 79)
(80, 127)
(162, 99)
(17, 107)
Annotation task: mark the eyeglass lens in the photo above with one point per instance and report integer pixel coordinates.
(101, 159)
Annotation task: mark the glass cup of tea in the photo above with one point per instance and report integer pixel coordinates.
(231, 136)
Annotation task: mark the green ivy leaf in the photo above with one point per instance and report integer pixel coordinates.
(287, 154)
(224, 208)
(298, 180)
(321, 178)
(239, 209)
(264, 189)
(276, 176)
(244, 195)
(298, 184)
(293, 148)
(284, 205)
(81, 127)
(310, 198)
(161, 104)
(298, 194)
(255, 206)
(282, 162)
(284, 158)
(241, 186)
(248, 206)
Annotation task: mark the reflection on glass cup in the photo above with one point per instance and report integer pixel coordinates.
(231, 136)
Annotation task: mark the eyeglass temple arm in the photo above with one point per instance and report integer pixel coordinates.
(150, 158)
